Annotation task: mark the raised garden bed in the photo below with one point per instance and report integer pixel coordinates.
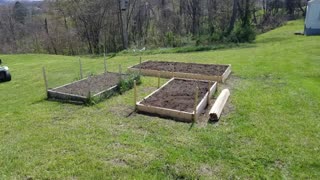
(210, 72)
(176, 99)
(92, 89)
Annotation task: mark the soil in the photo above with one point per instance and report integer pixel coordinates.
(205, 69)
(94, 84)
(179, 95)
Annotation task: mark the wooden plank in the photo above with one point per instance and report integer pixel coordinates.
(213, 89)
(226, 74)
(112, 88)
(53, 95)
(203, 104)
(195, 114)
(168, 113)
(180, 115)
(218, 106)
(67, 97)
(156, 90)
(67, 94)
(168, 74)
(105, 94)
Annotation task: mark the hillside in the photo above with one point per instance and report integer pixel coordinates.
(271, 129)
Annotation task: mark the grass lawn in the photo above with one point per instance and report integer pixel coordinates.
(272, 130)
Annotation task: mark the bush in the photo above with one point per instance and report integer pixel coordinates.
(242, 33)
(172, 40)
(128, 83)
(216, 37)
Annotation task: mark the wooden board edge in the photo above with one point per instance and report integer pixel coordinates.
(226, 74)
(168, 74)
(133, 66)
(110, 89)
(204, 102)
(172, 79)
(180, 115)
(66, 94)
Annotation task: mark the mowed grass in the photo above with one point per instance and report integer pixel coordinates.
(271, 132)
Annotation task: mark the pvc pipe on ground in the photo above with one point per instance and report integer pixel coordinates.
(218, 106)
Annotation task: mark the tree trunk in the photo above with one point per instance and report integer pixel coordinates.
(233, 17)
(49, 37)
(123, 28)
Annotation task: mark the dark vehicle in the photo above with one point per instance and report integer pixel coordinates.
(5, 75)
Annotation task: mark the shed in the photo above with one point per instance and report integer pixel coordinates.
(312, 22)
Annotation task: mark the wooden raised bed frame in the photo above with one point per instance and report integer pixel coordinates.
(175, 114)
(55, 95)
(168, 74)
(77, 99)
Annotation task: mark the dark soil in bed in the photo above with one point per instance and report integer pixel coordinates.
(206, 69)
(94, 84)
(178, 95)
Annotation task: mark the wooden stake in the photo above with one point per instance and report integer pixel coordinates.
(218, 106)
(172, 71)
(140, 65)
(45, 79)
(196, 104)
(159, 80)
(81, 74)
(135, 94)
(120, 71)
(105, 63)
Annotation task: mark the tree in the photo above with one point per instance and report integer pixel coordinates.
(233, 16)
(89, 19)
(19, 12)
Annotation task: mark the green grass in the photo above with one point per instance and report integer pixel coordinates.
(273, 131)
(184, 49)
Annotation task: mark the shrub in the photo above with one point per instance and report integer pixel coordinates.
(172, 40)
(128, 83)
(216, 37)
(242, 33)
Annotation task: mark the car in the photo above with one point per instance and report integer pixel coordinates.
(5, 75)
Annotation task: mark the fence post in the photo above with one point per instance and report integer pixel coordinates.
(140, 63)
(120, 72)
(135, 94)
(105, 63)
(45, 79)
(159, 80)
(81, 73)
